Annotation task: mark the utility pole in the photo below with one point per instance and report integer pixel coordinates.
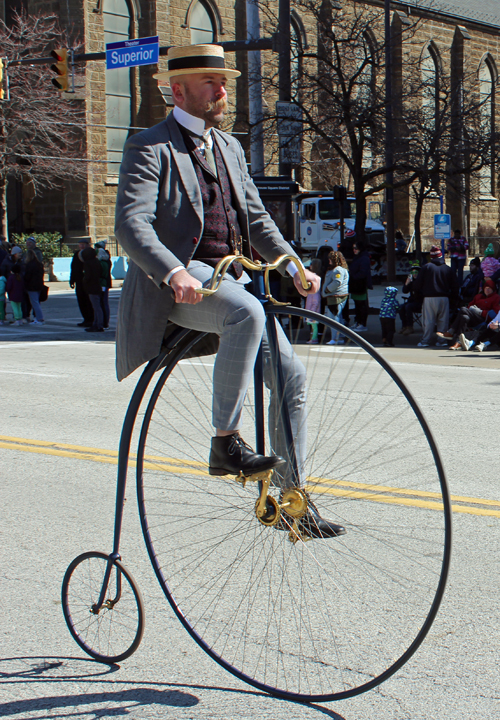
(285, 72)
(255, 91)
(389, 149)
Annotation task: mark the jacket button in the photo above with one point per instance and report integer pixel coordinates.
(195, 240)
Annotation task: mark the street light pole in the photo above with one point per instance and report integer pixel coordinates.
(285, 72)
(389, 149)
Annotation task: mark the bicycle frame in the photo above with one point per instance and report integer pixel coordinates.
(261, 288)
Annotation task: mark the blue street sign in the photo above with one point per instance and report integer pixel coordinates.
(131, 53)
(442, 227)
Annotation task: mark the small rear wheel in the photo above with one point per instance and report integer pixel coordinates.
(114, 631)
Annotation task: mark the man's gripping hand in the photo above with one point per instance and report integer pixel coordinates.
(311, 278)
(184, 286)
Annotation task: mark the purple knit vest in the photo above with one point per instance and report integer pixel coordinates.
(221, 229)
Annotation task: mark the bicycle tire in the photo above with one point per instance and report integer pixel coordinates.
(312, 621)
(116, 631)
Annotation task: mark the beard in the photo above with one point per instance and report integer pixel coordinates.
(212, 111)
(215, 112)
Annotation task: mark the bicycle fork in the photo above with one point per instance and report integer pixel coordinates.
(293, 501)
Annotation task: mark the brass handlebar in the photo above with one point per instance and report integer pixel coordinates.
(223, 266)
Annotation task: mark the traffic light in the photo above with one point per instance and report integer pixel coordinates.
(339, 192)
(4, 81)
(61, 69)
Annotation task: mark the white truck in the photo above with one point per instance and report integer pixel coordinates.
(318, 223)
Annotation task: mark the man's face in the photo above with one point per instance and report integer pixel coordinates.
(488, 291)
(82, 246)
(202, 95)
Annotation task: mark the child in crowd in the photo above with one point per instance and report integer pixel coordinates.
(335, 290)
(15, 292)
(313, 303)
(3, 303)
(388, 311)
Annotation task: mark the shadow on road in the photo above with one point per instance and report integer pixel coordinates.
(113, 703)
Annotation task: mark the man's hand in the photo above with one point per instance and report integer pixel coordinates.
(310, 277)
(184, 285)
(72, 285)
(494, 325)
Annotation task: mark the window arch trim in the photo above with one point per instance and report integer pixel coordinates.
(212, 10)
(489, 61)
(299, 28)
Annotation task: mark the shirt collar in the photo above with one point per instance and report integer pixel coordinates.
(193, 124)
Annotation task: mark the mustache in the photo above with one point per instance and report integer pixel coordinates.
(217, 105)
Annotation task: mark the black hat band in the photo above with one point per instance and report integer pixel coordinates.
(199, 61)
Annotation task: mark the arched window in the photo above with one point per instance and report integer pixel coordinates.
(297, 45)
(429, 72)
(487, 111)
(202, 24)
(117, 22)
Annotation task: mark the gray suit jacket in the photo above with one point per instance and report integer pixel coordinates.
(159, 221)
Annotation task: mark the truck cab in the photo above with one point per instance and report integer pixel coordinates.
(318, 223)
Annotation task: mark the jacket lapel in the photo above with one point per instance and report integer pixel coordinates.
(234, 174)
(185, 167)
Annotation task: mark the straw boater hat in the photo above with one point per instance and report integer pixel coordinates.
(196, 59)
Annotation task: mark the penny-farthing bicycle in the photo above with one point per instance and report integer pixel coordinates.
(305, 619)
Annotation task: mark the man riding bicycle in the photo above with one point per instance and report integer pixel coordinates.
(185, 200)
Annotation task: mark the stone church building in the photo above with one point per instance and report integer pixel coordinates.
(457, 33)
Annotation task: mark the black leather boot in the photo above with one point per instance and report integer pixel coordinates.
(230, 455)
(312, 524)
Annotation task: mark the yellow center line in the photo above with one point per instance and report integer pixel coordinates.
(345, 489)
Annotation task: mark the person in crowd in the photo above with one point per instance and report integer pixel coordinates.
(388, 310)
(438, 285)
(457, 249)
(3, 300)
(399, 242)
(360, 281)
(33, 283)
(477, 312)
(473, 282)
(31, 245)
(15, 292)
(490, 264)
(313, 303)
(412, 304)
(4, 249)
(105, 259)
(76, 283)
(489, 336)
(92, 284)
(15, 256)
(335, 290)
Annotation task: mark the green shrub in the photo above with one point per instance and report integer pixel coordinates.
(50, 244)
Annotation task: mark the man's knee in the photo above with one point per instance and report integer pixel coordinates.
(249, 314)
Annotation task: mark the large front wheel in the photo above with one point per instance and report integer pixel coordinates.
(318, 620)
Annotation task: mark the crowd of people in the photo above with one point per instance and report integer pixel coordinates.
(22, 284)
(452, 311)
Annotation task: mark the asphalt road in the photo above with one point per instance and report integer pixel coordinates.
(59, 395)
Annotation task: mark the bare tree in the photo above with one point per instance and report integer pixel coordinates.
(444, 138)
(340, 88)
(41, 132)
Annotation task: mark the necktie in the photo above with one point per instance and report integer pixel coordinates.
(209, 155)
